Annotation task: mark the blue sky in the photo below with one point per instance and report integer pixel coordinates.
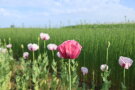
(128, 3)
(41, 13)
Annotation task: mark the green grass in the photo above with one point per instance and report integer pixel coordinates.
(94, 39)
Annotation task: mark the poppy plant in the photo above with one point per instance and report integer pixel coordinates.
(69, 49)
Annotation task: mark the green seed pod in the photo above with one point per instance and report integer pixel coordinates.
(22, 46)
(109, 44)
(9, 40)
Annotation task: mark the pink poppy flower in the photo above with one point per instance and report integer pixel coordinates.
(125, 62)
(25, 55)
(44, 36)
(104, 67)
(59, 55)
(70, 49)
(33, 47)
(52, 46)
(9, 46)
(84, 70)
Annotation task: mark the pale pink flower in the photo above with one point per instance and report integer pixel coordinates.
(9, 46)
(52, 46)
(125, 62)
(25, 55)
(84, 70)
(44, 36)
(58, 54)
(104, 67)
(33, 47)
(70, 49)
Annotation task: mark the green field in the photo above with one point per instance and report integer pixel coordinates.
(93, 38)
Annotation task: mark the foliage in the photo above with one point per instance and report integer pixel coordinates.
(93, 38)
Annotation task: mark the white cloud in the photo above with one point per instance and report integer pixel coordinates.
(9, 13)
(4, 12)
(98, 10)
(64, 10)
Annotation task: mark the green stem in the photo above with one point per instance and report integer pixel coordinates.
(83, 85)
(84, 58)
(5, 43)
(124, 72)
(44, 46)
(93, 76)
(53, 54)
(0, 42)
(22, 50)
(69, 74)
(32, 68)
(107, 52)
(33, 55)
(107, 57)
(39, 44)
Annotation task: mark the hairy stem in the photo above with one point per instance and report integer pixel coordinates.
(124, 72)
(69, 74)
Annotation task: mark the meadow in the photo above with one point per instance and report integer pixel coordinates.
(94, 40)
